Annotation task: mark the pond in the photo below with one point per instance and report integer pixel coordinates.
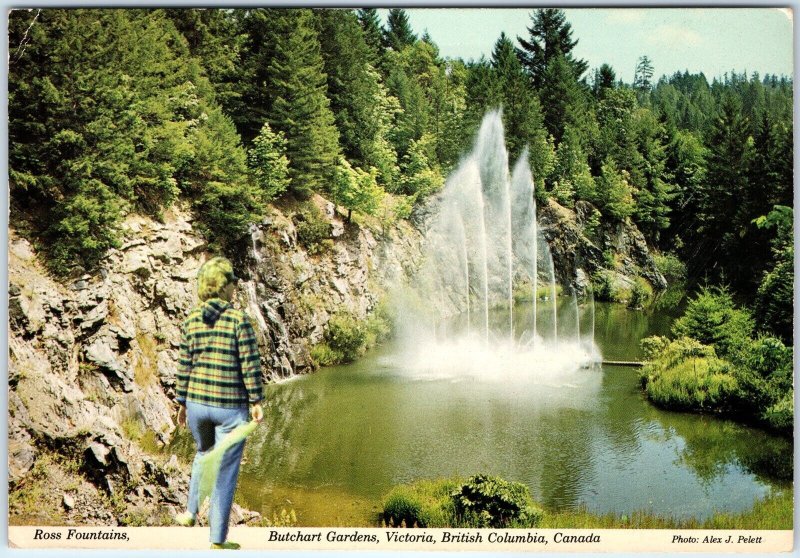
(335, 442)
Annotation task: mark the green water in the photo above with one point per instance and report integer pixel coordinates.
(333, 443)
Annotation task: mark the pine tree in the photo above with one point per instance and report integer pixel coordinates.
(251, 104)
(614, 192)
(398, 33)
(561, 97)
(373, 34)
(361, 105)
(571, 177)
(100, 122)
(300, 108)
(604, 78)
(268, 164)
(213, 37)
(522, 112)
(721, 223)
(643, 74)
(550, 37)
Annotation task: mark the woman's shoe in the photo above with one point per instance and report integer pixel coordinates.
(227, 545)
(185, 519)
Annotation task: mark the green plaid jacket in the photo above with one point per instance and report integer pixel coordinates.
(219, 363)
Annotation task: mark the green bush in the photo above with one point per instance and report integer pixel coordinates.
(764, 373)
(346, 336)
(323, 355)
(312, 228)
(712, 319)
(379, 326)
(702, 384)
(603, 286)
(641, 293)
(486, 501)
(481, 501)
(670, 267)
(780, 416)
(685, 374)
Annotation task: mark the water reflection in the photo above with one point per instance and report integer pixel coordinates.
(335, 442)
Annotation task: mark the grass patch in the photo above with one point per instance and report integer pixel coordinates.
(435, 503)
(426, 503)
(773, 512)
(145, 364)
(524, 292)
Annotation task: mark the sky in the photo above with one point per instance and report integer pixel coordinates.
(708, 40)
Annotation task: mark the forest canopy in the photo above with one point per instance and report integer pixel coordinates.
(113, 111)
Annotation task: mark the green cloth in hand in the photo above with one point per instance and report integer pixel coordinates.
(211, 461)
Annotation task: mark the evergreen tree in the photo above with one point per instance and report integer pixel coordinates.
(614, 192)
(213, 37)
(300, 107)
(550, 37)
(522, 113)
(721, 223)
(251, 105)
(572, 178)
(654, 190)
(774, 302)
(106, 115)
(561, 97)
(373, 34)
(686, 163)
(604, 78)
(361, 105)
(643, 75)
(398, 33)
(268, 164)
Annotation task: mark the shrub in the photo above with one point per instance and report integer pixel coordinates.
(697, 383)
(481, 501)
(686, 374)
(640, 293)
(312, 228)
(712, 319)
(486, 501)
(378, 326)
(764, 373)
(603, 286)
(670, 267)
(323, 355)
(780, 416)
(345, 335)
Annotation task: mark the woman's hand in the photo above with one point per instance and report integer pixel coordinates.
(256, 412)
(182, 415)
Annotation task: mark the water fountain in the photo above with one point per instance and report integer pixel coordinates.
(483, 247)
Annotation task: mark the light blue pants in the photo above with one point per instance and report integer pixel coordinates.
(209, 425)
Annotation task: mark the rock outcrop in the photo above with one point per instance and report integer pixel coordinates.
(579, 249)
(93, 363)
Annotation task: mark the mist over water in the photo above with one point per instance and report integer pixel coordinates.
(484, 249)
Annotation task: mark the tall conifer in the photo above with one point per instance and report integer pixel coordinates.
(300, 108)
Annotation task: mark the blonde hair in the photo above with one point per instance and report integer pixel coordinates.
(213, 277)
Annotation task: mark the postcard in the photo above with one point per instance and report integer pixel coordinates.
(401, 279)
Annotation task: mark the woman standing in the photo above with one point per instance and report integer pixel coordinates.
(219, 377)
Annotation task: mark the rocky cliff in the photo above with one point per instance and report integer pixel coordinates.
(93, 362)
(581, 247)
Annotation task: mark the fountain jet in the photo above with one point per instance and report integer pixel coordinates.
(484, 245)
